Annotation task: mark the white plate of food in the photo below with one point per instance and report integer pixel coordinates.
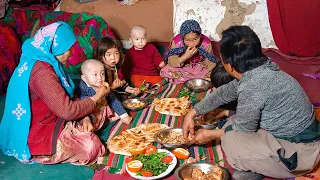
(159, 168)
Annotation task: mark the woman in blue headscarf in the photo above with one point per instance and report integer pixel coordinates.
(190, 55)
(42, 121)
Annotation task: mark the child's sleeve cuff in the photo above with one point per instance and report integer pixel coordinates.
(228, 128)
(124, 115)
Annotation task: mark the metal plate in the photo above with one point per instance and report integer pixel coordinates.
(198, 85)
(186, 170)
(164, 133)
(136, 100)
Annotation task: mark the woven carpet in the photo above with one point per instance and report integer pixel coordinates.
(210, 153)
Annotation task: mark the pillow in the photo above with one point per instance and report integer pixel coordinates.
(317, 110)
(10, 52)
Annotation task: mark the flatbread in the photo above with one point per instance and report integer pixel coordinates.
(172, 106)
(135, 138)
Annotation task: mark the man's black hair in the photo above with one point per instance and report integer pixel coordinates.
(241, 48)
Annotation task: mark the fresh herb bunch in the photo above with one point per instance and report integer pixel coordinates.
(153, 163)
(184, 92)
(145, 86)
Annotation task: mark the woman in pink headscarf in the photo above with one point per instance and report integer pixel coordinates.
(42, 120)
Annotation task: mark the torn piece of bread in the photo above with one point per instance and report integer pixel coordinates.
(106, 84)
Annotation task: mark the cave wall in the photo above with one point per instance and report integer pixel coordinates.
(215, 16)
(155, 15)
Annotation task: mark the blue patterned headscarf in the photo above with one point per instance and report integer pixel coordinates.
(187, 27)
(50, 41)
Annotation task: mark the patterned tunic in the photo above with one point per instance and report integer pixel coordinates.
(51, 108)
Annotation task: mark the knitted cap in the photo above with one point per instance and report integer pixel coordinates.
(189, 26)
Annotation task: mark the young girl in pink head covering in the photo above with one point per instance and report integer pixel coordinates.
(190, 55)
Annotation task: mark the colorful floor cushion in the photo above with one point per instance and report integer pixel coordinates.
(10, 52)
(88, 28)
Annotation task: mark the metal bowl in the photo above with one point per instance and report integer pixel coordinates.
(135, 100)
(158, 137)
(206, 126)
(198, 85)
(185, 170)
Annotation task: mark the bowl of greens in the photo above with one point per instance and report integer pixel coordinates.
(154, 166)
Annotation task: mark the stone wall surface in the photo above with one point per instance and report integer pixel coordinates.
(215, 16)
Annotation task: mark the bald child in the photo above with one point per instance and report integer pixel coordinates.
(93, 76)
(143, 61)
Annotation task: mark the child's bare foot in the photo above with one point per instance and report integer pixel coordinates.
(127, 120)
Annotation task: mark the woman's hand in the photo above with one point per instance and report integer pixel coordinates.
(102, 92)
(204, 136)
(188, 124)
(87, 125)
(116, 84)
